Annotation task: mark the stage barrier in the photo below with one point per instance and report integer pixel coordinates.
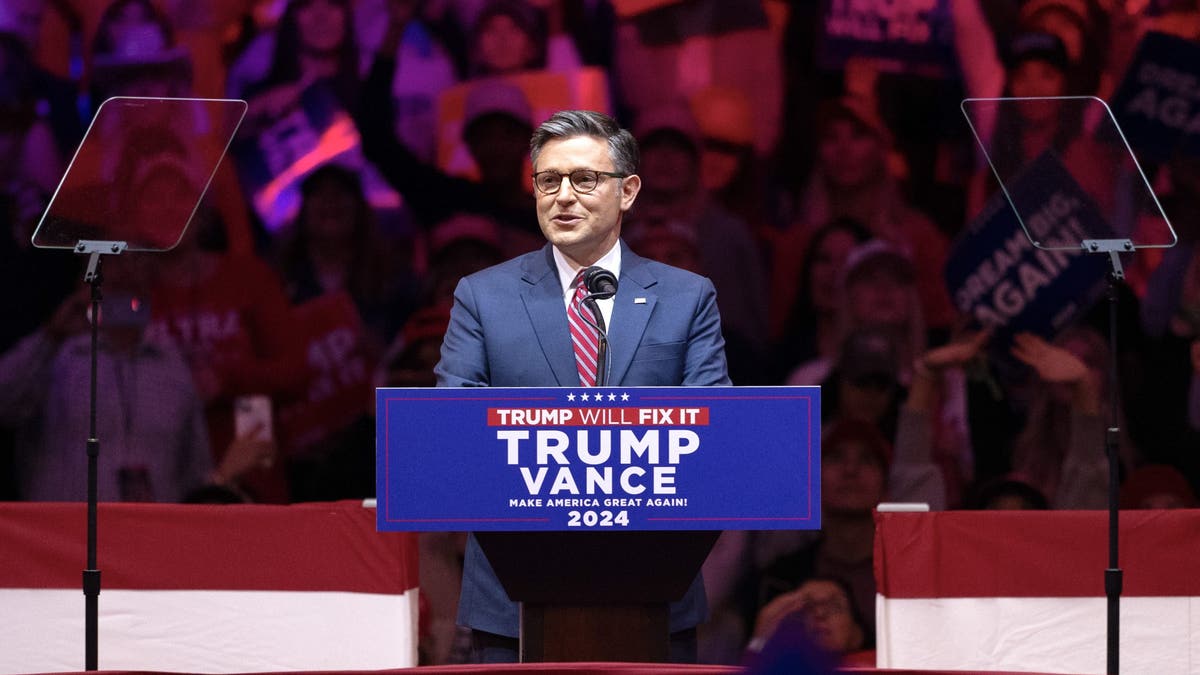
(208, 589)
(1024, 591)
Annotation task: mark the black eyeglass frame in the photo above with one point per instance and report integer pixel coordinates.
(571, 178)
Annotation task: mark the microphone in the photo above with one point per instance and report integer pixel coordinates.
(599, 282)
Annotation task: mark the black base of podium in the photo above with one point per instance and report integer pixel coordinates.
(596, 596)
(631, 633)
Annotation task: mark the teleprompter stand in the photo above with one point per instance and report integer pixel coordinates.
(91, 575)
(133, 185)
(1113, 577)
(596, 596)
(1095, 164)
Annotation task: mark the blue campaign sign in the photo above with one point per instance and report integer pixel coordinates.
(996, 275)
(912, 33)
(618, 458)
(1158, 102)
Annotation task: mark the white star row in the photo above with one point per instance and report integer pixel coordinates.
(598, 396)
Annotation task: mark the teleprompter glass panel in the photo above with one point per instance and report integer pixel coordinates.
(1059, 157)
(140, 172)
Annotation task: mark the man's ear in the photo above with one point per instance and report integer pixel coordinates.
(630, 187)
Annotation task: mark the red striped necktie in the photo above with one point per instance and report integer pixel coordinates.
(584, 335)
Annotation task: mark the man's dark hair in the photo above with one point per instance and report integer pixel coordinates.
(622, 147)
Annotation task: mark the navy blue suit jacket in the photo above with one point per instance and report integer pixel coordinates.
(508, 328)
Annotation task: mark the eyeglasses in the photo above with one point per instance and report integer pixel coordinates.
(583, 181)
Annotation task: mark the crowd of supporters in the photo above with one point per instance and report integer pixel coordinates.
(825, 187)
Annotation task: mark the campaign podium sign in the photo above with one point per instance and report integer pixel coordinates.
(608, 458)
(597, 506)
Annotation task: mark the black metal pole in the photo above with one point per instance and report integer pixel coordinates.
(1112, 575)
(91, 575)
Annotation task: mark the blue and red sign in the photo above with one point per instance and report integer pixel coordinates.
(1158, 102)
(997, 276)
(914, 35)
(632, 458)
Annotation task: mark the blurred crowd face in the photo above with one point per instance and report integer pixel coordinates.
(850, 155)
(720, 164)
(133, 23)
(828, 260)
(866, 399)
(583, 226)
(828, 618)
(1037, 78)
(328, 213)
(503, 47)
(499, 145)
(322, 26)
(672, 192)
(852, 481)
(876, 297)
(23, 18)
(163, 204)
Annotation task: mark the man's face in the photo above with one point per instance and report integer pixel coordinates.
(583, 226)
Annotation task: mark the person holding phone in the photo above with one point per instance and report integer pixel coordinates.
(150, 419)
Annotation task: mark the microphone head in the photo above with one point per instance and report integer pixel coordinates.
(599, 282)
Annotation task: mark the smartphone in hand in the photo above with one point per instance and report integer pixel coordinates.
(252, 415)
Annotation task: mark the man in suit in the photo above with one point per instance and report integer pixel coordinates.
(509, 326)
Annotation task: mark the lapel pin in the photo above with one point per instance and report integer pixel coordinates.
(639, 301)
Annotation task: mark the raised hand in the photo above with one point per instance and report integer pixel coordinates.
(774, 612)
(1052, 363)
(956, 353)
(246, 452)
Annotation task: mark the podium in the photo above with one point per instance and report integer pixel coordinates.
(596, 513)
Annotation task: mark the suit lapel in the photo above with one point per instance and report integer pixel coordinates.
(630, 314)
(544, 305)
